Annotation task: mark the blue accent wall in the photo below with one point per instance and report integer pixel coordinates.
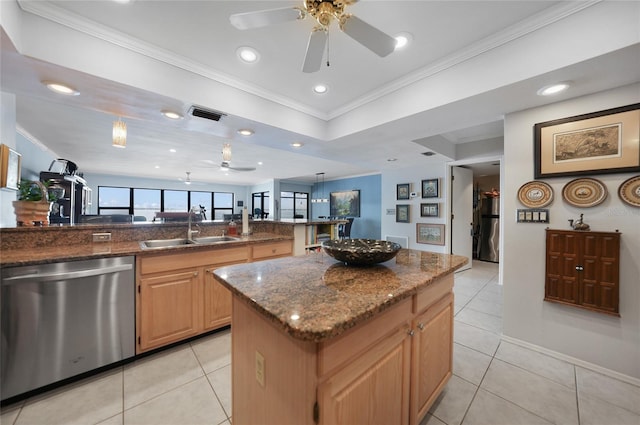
(368, 225)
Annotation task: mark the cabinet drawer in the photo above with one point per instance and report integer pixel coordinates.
(276, 249)
(433, 293)
(176, 261)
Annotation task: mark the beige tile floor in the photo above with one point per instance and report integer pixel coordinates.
(494, 382)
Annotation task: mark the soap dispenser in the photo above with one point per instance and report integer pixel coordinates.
(232, 228)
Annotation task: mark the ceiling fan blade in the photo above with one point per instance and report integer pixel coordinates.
(242, 168)
(315, 50)
(367, 35)
(262, 18)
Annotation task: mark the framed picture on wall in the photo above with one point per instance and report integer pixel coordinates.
(345, 203)
(429, 210)
(402, 191)
(596, 143)
(430, 188)
(9, 167)
(403, 213)
(432, 234)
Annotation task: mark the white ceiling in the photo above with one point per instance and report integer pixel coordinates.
(133, 60)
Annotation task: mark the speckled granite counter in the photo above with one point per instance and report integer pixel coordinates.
(315, 297)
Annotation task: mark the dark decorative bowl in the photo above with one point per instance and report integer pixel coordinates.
(361, 252)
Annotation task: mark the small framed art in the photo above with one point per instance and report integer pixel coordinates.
(430, 188)
(9, 167)
(402, 191)
(432, 234)
(402, 213)
(429, 210)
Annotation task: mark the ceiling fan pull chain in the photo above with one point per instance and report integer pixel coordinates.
(328, 42)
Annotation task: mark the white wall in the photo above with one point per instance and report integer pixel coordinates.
(8, 137)
(414, 176)
(599, 339)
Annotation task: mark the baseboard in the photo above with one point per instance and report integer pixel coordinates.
(575, 361)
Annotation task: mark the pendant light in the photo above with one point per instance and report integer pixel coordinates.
(119, 134)
(321, 200)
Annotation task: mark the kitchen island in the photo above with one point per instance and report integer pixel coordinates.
(317, 341)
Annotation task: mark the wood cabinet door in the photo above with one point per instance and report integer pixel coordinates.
(217, 302)
(563, 260)
(600, 274)
(169, 308)
(432, 356)
(373, 389)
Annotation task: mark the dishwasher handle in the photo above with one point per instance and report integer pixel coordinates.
(47, 277)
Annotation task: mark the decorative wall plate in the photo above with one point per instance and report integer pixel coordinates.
(584, 192)
(535, 194)
(629, 191)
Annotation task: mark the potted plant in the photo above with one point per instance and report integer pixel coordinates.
(33, 204)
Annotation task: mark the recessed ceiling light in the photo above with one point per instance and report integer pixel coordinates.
(172, 150)
(260, 163)
(320, 89)
(392, 159)
(61, 88)
(553, 89)
(248, 54)
(403, 39)
(172, 115)
(297, 144)
(157, 166)
(245, 132)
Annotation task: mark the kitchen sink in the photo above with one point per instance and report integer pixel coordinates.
(165, 243)
(168, 243)
(214, 239)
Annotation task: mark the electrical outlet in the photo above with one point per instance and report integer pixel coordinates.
(102, 237)
(260, 368)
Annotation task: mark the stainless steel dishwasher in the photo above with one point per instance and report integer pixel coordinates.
(60, 320)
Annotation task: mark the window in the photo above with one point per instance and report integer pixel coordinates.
(114, 200)
(147, 202)
(294, 205)
(175, 201)
(222, 204)
(260, 204)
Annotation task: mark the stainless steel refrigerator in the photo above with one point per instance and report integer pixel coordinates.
(490, 229)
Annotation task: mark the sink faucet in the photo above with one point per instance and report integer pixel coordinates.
(190, 232)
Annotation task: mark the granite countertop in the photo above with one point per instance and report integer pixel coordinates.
(315, 297)
(84, 251)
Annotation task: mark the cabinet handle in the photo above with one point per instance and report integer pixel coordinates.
(207, 271)
(195, 273)
(273, 251)
(579, 268)
(421, 326)
(411, 332)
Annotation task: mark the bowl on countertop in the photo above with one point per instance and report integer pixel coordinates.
(361, 252)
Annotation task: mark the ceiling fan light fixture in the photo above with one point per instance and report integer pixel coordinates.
(226, 153)
(61, 88)
(248, 54)
(320, 88)
(119, 139)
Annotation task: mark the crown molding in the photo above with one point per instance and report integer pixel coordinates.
(540, 20)
(509, 34)
(71, 20)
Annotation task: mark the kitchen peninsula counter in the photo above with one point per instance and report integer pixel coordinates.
(313, 338)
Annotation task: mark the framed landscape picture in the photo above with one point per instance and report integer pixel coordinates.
(402, 191)
(596, 143)
(402, 213)
(345, 203)
(430, 188)
(432, 234)
(429, 210)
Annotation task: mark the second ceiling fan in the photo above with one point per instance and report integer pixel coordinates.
(324, 12)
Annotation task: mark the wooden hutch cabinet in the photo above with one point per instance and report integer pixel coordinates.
(583, 269)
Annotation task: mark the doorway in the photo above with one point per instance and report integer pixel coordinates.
(483, 221)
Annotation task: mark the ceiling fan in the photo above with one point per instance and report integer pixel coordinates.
(324, 12)
(225, 165)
